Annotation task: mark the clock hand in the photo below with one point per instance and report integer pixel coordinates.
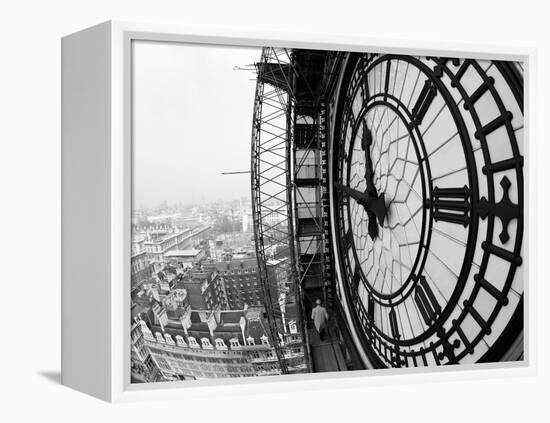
(374, 204)
(379, 208)
(353, 193)
(366, 142)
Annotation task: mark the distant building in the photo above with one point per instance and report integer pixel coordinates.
(140, 271)
(157, 247)
(176, 301)
(222, 344)
(279, 274)
(212, 250)
(164, 241)
(138, 243)
(241, 281)
(184, 258)
(205, 290)
(164, 217)
(247, 222)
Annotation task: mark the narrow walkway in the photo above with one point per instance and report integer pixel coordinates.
(326, 355)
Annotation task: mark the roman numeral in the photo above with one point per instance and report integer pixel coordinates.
(423, 103)
(370, 308)
(387, 351)
(393, 324)
(426, 302)
(451, 205)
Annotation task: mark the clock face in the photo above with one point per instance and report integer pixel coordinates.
(427, 203)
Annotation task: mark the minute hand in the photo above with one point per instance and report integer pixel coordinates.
(375, 204)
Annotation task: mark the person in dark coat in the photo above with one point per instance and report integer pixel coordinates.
(319, 316)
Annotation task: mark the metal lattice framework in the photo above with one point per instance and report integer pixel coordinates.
(271, 202)
(289, 186)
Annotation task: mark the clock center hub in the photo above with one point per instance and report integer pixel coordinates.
(387, 167)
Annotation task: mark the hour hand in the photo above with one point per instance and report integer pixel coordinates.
(372, 203)
(357, 195)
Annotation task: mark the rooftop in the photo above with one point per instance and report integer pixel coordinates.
(168, 236)
(235, 264)
(182, 253)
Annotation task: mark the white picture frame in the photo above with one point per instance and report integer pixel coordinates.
(96, 190)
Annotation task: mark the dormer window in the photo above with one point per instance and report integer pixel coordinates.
(250, 341)
(264, 340)
(193, 342)
(160, 338)
(206, 343)
(220, 344)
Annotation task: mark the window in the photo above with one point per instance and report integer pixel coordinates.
(162, 363)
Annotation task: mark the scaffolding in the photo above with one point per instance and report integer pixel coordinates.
(271, 198)
(289, 182)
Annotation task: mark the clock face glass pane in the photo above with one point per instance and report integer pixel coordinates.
(428, 201)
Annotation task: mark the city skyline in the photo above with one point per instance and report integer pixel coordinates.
(160, 205)
(198, 305)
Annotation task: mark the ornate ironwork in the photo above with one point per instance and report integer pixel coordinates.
(443, 340)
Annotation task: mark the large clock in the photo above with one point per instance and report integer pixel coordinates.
(426, 189)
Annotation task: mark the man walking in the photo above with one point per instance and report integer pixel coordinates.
(319, 316)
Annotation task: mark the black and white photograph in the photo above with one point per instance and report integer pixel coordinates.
(303, 211)
(294, 211)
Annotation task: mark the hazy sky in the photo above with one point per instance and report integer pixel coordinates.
(192, 121)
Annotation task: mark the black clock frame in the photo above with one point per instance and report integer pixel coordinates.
(478, 208)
